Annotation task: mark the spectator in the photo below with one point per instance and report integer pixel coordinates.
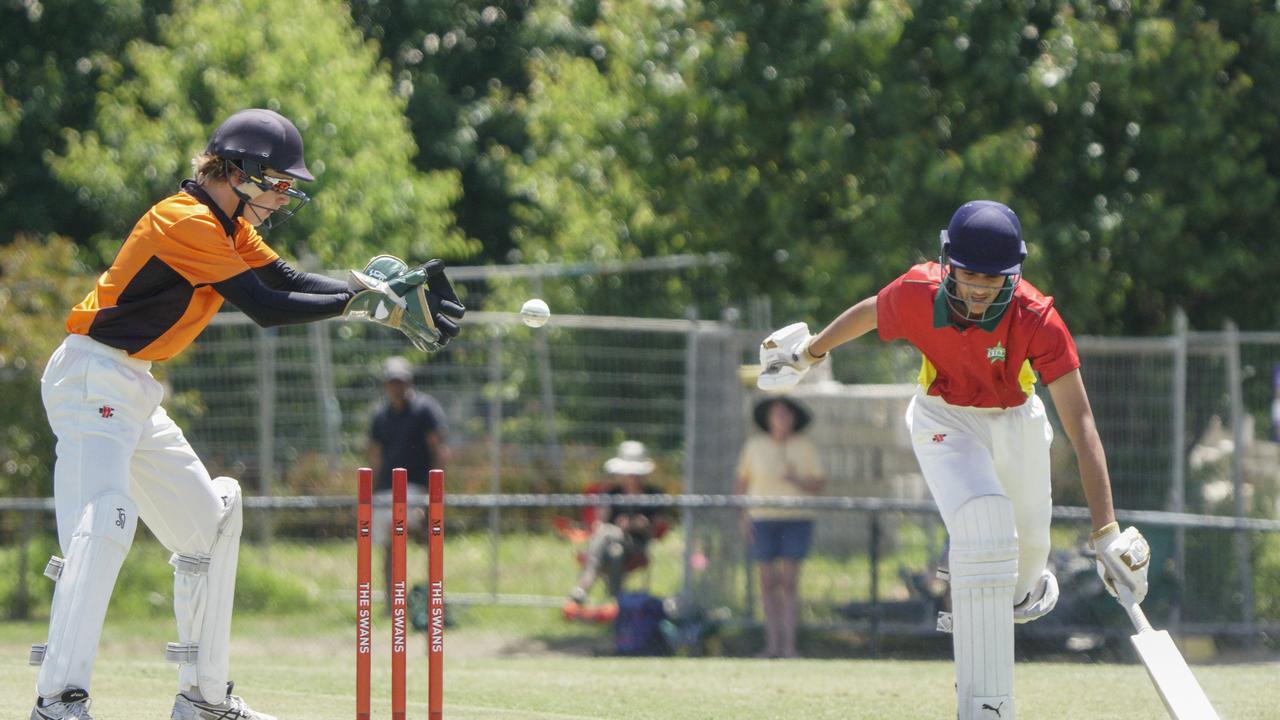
(779, 463)
(408, 431)
(622, 537)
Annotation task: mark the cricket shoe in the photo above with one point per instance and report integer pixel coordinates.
(72, 703)
(231, 708)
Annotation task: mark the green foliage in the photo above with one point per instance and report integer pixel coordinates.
(159, 103)
(51, 57)
(458, 63)
(824, 145)
(40, 280)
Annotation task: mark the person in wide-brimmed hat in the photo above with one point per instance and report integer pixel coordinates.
(801, 414)
(622, 534)
(779, 463)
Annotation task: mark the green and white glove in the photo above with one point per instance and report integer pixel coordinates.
(419, 302)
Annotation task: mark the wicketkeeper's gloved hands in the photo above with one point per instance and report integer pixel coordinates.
(419, 302)
(1123, 557)
(785, 357)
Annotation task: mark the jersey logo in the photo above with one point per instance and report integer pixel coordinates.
(939, 437)
(995, 709)
(995, 353)
(106, 411)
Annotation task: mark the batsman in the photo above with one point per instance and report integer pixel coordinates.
(120, 458)
(982, 436)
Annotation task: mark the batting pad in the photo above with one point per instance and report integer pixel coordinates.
(98, 546)
(984, 569)
(204, 587)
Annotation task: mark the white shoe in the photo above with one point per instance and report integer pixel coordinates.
(231, 708)
(72, 703)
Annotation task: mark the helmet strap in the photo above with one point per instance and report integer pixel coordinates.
(250, 169)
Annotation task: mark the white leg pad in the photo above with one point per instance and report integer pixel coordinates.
(984, 569)
(97, 549)
(53, 569)
(991, 708)
(204, 588)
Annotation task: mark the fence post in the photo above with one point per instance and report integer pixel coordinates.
(551, 435)
(495, 452)
(690, 443)
(875, 582)
(1178, 429)
(326, 398)
(21, 608)
(1235, 380)
(266, 423)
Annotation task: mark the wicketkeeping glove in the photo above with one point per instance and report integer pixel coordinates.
(1123, 557)
(785, 357)
(419, 302)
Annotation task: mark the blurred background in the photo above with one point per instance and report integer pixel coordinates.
(675, 179)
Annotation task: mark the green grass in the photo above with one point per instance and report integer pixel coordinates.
(316, 577)
(292, 652)
(302, 669)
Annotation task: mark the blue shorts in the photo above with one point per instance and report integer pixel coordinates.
(780, 539)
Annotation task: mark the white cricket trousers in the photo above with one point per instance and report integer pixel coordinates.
(988, 470)
(114, 439)
(967, 452)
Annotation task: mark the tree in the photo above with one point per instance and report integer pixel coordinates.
(41, 281)
(459, 64)
(824, 144)
(51, 56)
(160, 102)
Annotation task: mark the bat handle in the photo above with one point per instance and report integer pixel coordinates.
(1136, 616)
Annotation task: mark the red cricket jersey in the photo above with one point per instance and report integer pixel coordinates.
(986, 365)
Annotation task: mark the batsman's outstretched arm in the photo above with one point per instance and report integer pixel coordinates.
(852, 323)
(788, 353)
(1072, 404)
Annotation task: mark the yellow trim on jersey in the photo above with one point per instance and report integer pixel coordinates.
(928, 373)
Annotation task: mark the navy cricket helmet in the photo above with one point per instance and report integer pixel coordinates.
(262, 136)
(985, 237)
(255, 141)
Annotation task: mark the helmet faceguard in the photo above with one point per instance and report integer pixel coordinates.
(261, 180)
(266, 150)
(983, 237)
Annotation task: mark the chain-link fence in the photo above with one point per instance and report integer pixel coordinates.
(533, 414)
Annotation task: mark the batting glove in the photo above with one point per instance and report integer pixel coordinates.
(785, 357)
(1123, 557)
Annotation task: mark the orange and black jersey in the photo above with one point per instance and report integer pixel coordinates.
(183, 258)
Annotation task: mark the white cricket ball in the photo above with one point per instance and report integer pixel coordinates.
(535, 313)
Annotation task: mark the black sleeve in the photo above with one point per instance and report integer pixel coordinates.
(268, 307)
(279, 275)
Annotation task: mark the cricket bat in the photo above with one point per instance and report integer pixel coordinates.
(1174, 682)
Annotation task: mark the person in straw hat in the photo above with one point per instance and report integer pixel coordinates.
(779, 463)
(621, 534)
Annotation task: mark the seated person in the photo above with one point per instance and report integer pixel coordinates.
(623, 535)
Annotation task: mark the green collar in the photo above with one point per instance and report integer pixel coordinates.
(942, 316)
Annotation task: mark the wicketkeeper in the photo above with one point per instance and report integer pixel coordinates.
(982, 436)
(119, 455)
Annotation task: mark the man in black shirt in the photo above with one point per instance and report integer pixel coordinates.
(408, 431)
